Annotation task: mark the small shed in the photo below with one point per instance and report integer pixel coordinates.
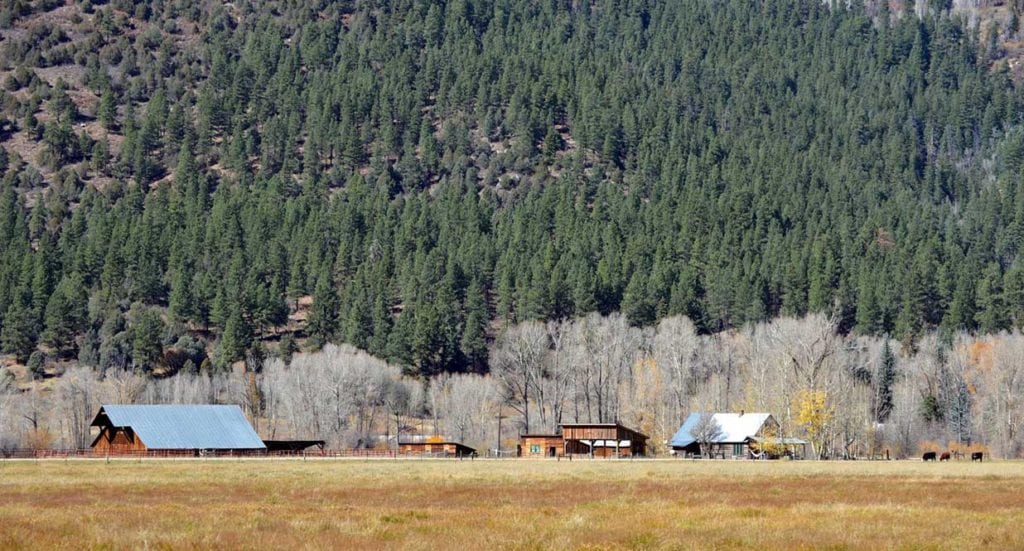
(292, 446)
(174, 430)
(436, 447)
(741, 435)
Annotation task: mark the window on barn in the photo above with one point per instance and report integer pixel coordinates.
(535, 448)
(737, 449)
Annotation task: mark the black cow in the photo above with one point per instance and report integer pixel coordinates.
(976, 456)
(928, 456)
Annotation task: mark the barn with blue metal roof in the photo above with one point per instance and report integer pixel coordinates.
(174, 429)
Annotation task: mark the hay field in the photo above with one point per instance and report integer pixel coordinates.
(419, 504)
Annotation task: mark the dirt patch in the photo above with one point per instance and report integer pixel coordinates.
(72, 75)
(24, 146)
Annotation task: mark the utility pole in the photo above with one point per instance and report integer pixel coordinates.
(498, 448)
(398, 432)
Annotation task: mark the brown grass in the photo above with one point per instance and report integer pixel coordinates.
(510, 504)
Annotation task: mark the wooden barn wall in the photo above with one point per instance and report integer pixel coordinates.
(114, 440)
(590, 433)
(545, 443)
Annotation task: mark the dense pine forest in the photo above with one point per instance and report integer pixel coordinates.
(186, 185)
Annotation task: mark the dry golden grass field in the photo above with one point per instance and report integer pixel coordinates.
(414, 504)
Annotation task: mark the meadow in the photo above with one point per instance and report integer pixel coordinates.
(509, 504)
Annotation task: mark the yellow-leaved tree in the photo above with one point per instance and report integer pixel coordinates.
(814, 413)
(770, 444)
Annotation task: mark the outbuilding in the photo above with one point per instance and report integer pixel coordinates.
(436, 447)
(185, 430)
(292, 446)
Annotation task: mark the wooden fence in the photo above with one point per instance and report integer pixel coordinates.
(314, 453)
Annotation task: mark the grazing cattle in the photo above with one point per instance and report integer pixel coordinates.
(976, 456)
(928, 456)
(944, 457)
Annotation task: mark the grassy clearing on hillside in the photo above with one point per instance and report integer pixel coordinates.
(510, 504)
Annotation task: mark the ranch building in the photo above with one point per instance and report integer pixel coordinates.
(589, 439)
(541, 445)
(293, 446)
(740, 436)
(185, 430)
(436, 447)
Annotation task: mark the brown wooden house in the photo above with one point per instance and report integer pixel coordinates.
(589, 439)
(174, 430)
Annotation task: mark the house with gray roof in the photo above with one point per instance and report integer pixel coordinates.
(737, 436)
(174, 430)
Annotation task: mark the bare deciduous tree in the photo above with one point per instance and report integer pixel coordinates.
(76, 396)
(597, 368)
(338, 394)
(518, 365)
(1004, 396)
(606, 349)
(8, 437)
(674, 349)
(809, 344)
(464, 403)
(707, 432)
(555, 390)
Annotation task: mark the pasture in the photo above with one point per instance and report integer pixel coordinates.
(430, 504)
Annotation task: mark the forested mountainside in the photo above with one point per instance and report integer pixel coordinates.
(180, 177)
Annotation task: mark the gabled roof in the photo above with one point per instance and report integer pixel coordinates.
(183, 427)
(736, 428)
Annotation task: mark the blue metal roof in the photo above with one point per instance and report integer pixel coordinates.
(185, 427)
(683, 437)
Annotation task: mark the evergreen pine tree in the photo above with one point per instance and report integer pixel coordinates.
(107, 111)
(884, 387)
(236, 338)
(18, 334)
(146, 330)
(65, 314)
(323, 317)
(474, 334)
